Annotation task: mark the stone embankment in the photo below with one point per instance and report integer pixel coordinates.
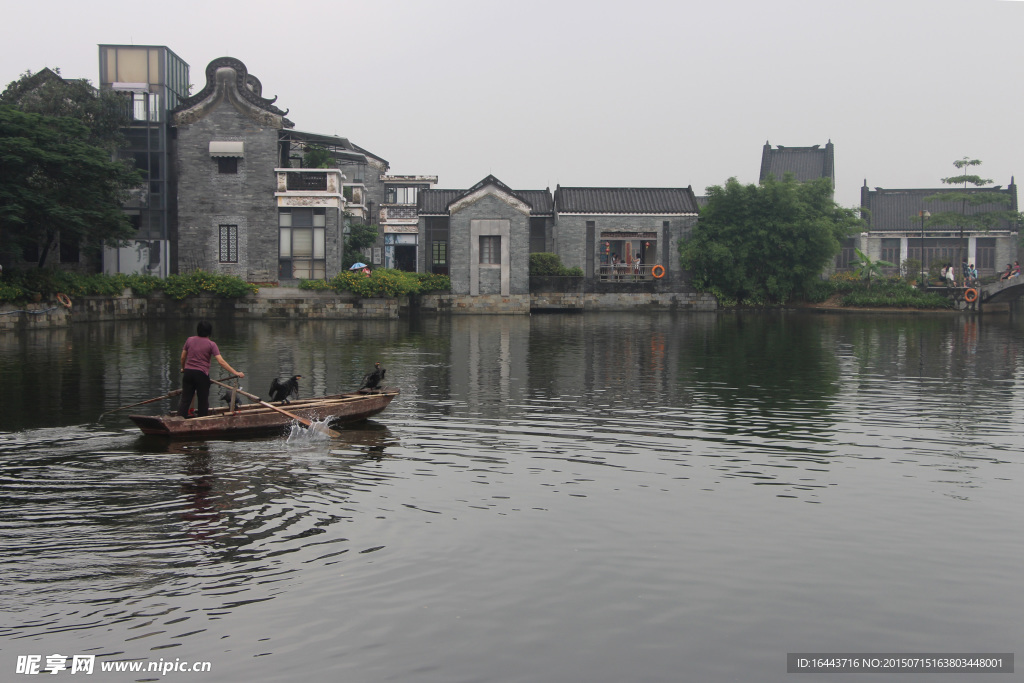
(299, 304)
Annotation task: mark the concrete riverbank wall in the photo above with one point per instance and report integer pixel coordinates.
(299, 304)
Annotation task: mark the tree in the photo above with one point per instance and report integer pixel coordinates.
(975, 199)
(54, 182)
(318, 157)
(765, 243)
(866, 266)
(359, 237)
(105, 113)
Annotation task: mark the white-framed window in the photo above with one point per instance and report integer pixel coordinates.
(400, 194)
(302, 247)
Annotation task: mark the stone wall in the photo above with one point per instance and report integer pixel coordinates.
(571, 239)
(269, 303)
(208, 199)
(516, 248)
(483, 304)
(624, 301)
(296, 304)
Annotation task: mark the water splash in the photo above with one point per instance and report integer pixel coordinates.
(315, 433)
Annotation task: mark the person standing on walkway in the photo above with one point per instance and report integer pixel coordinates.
(195, 369)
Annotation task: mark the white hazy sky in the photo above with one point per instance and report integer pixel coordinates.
(592, 92)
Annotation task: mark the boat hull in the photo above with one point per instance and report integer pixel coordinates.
(255, 419)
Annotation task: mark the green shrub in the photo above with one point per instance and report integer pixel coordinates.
(21, 285)
(543, 264)
(200, 282)
(315, 285)
(820, 290)
(875, 299)
(431, 282)
(382, 282)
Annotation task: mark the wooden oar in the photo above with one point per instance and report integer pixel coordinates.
(301, 420)
(140, 403)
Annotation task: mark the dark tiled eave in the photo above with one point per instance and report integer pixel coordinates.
(435, 202)
(654, 201)
(899, 210)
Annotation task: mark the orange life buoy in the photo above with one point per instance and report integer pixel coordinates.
(64, 300)
(658, 272)
(971, 295)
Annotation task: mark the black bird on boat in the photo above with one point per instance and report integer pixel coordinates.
(373, 379)
(280, 391)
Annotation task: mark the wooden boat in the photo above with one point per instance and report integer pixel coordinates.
(253, 418)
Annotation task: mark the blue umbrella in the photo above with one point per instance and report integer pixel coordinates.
(357, 266)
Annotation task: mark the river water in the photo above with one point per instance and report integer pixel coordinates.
(613, 497)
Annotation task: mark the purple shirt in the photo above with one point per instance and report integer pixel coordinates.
(198, 352)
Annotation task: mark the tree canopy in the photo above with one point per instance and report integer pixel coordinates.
(317, 156)
(762, 244)
(971, 215)
(359, 237)
(105, 113)
(53, 181)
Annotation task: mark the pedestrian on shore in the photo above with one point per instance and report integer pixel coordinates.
(950, 275)
(195, 370)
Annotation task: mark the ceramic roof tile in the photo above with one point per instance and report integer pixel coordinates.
(626, 200)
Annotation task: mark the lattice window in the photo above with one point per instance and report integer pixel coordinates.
(229, 244)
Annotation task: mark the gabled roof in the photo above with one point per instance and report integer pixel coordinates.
(656, 201)
(900, 209)
(435, 202)
(805, 163)
(539, 200)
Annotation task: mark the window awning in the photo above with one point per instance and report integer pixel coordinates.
(227, 148)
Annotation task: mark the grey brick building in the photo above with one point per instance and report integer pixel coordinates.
(607, 230)
(897, 229)
(246, 206)
(226, 152)
(805, 163)
(480, 237)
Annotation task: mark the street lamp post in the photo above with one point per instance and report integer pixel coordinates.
(925, 215)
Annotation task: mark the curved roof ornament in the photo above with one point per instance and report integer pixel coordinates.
(248, 87)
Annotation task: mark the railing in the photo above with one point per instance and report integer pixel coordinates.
(624, 273)
(302, 181)
(306, 181)
(398, 212)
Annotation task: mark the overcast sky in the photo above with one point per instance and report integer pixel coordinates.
(596, 93)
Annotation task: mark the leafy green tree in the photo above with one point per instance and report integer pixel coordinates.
(974, 219)
(359, 237)
(53, 181)
(765, 243)
(867, 267)
(105, 113)
(318, 157)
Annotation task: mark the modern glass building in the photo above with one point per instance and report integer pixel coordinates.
(154, 81)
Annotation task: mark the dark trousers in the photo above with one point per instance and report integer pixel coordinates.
(194, 383)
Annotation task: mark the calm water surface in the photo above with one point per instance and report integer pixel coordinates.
(616, 497)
